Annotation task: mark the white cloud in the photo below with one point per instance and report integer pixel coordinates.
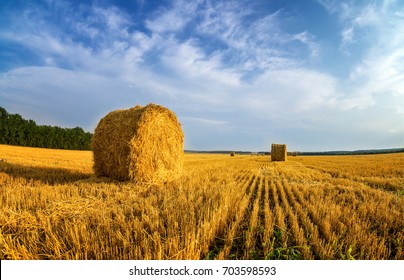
(290, 92)
(347, 36)
(329, 5)
(192, 74)
(115, 19)
(381, 70)
(376, 29)
(308, 40)
(173, 19)
(204, 121)
(190, 62)
(369, 15)
(337, 7)
(258, 44)
(231, 71)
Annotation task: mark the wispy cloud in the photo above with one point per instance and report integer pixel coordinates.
(204, 121)
(375, 28)
(347, 37)
(381, 71)
(174, 18)
(257, 44)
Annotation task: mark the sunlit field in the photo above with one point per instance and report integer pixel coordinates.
(241, 207)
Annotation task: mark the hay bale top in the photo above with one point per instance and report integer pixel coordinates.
(143, 143)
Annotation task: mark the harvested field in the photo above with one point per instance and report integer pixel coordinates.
(348, 207)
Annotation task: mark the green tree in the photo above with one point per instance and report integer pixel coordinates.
(15, 130)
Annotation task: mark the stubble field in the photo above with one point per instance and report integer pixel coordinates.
(242, 207)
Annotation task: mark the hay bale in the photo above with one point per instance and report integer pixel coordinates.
(278, 152)
(142, 144)
(232, 154)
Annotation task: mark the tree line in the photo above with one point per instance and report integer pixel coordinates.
(14, 130)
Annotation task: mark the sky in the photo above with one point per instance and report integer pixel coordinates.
(317, 75)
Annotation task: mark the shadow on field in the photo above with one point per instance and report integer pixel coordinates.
(47, 175)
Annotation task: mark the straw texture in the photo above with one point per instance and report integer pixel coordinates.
(278, 152)
(142, 144)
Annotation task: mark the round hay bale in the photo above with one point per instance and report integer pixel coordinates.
(142, 144)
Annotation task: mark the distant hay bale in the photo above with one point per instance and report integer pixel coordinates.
(293, 154)
(142, 144)
(278, 152)
(232, 154)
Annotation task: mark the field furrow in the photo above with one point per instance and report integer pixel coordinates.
(237, 246)
(253, 236)
(218, 246)
(268, 219)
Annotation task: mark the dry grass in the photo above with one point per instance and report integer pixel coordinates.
(142, 144)
(52, 207)
(379, 171)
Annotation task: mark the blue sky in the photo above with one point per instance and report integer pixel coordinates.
(314, 74)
